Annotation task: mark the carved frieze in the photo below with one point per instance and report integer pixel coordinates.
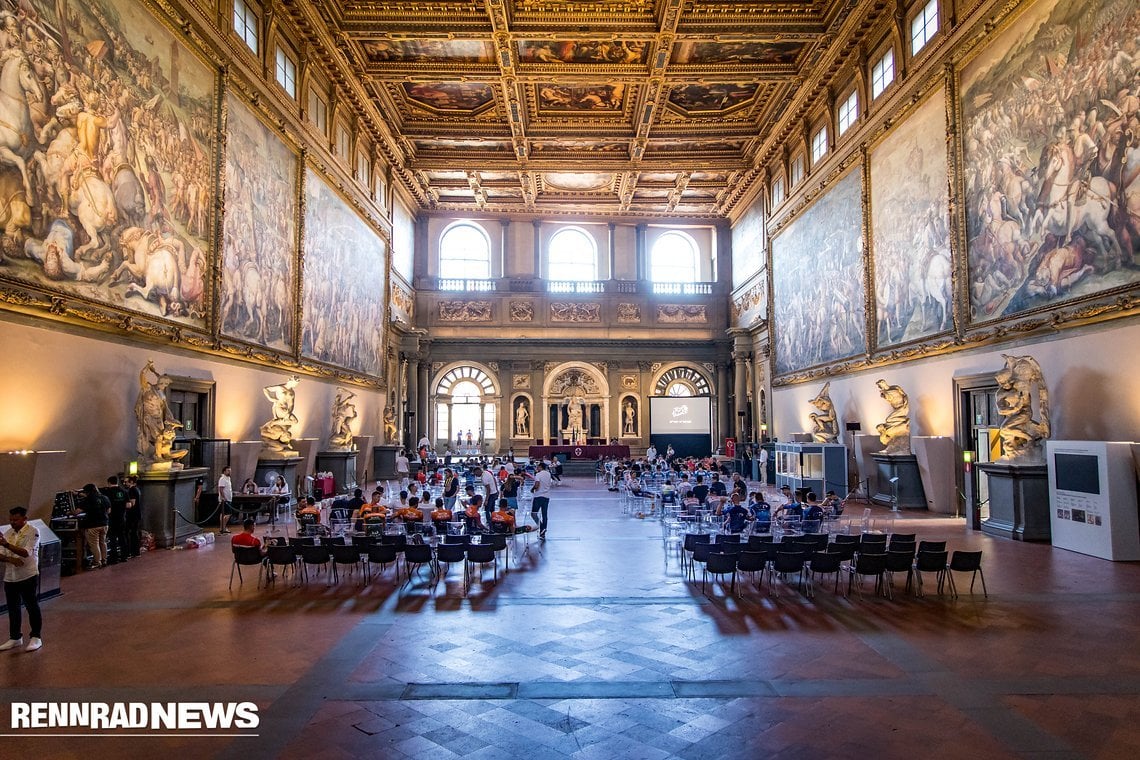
(682, 313)
(629, 382)
(575, 312)
(464, 311)
(628, 313)
(520, 382)
(522, 311)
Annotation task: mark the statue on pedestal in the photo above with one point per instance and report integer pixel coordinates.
(630, 419)
(522, 418)
(894, 432)
(1022, 394)
(343, 413)
(277, 434)
(156, 423)
(391, 433)
(825, 427)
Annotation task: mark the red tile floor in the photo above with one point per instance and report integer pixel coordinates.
(595, 644)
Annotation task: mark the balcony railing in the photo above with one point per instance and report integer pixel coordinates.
(683, 288)
(576, 286)
(466, 285)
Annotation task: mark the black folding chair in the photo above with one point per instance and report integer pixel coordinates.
(246, 556)
(966, 562)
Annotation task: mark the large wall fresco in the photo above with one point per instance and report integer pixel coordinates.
(1050, 162)
(817, 281)
(343, 283)
(403, 240)
(107, 127)
(910, 228)
(748, 244)
(259, 249)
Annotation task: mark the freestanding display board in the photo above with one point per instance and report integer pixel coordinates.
(1092, 498)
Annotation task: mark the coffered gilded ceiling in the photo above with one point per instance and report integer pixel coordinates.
(640, 107)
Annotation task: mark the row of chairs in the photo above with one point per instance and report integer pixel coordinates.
(333, 554)
(811, 556)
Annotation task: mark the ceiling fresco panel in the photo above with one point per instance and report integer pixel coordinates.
(716, 97)
(583, 51)
(450, 96)
(584, 98)
(736, 53)
(428, 51)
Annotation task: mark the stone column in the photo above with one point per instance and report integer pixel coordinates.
(724, 409)
(413, 404)
(423, 409)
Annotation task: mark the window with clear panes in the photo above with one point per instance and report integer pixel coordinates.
(245, 24)
(883, 73)
(819, 144)
(923, 27)
(848, 112)
(287, 72)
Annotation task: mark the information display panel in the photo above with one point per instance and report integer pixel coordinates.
(1092, 498)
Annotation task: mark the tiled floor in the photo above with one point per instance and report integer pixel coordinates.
(596, 645)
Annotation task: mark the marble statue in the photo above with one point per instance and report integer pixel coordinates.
(825, 427)
(894, 431)
(522, 417)
(277, 434)
(630, 419)
(156, 423)
(574, 414)
(1023, 400)
(343, 413)
(391, 433)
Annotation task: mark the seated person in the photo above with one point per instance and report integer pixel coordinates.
(700, 490)
(735, 515)
(249, 487)
(412, 512)
(246, 537)
(717, 487)
(441, 516)
(399, 501)
(831, 502)
(357, 500)
(503, 521)
(471, 515)
(281, 490)
(791, 507)
(668, 492)
(685, 487)
(813, 513)
(762, 513)
(308, 513)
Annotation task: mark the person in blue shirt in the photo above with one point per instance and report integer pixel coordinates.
(813, 513)
(761, 513)
(791, 507)
(736, 516)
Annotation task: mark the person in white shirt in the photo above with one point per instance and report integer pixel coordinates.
(541, 503)
(403, 467)
(491, 489)
(651, 454)
(20, 553)
(225, 498)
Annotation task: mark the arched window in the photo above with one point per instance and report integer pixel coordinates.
(466, 404)
(674, 258)
(681, 381)
(464, 252)
(572, 256)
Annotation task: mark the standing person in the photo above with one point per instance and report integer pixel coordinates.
(117, 525)
(134, 517)
(225, 498)
(510, 491)
(450, 488)
(403, 467)
(20, 552)
(651, 453)
(94, 507)
(491, 489)
(541, 504)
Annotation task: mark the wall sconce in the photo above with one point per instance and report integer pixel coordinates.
(133, 468)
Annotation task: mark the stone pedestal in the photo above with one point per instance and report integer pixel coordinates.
(907, 492)
(384, 462)
(363, 446)
(342, 464)
(1019, 501)
(267, 469)
(935, 455)
(168, 504)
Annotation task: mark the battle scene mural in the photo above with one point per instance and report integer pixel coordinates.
(817, 282)
(450, 96)
(602, 97)
(259, 232)
(719, 96)
(910, 228)
(1051, 111)
(343, 283)
(107, 157)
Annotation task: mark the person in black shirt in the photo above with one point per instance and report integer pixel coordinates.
(94, 507)
(357, 500)
(700, 490)
(717, 487)
(134, 517)
(117, 525)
